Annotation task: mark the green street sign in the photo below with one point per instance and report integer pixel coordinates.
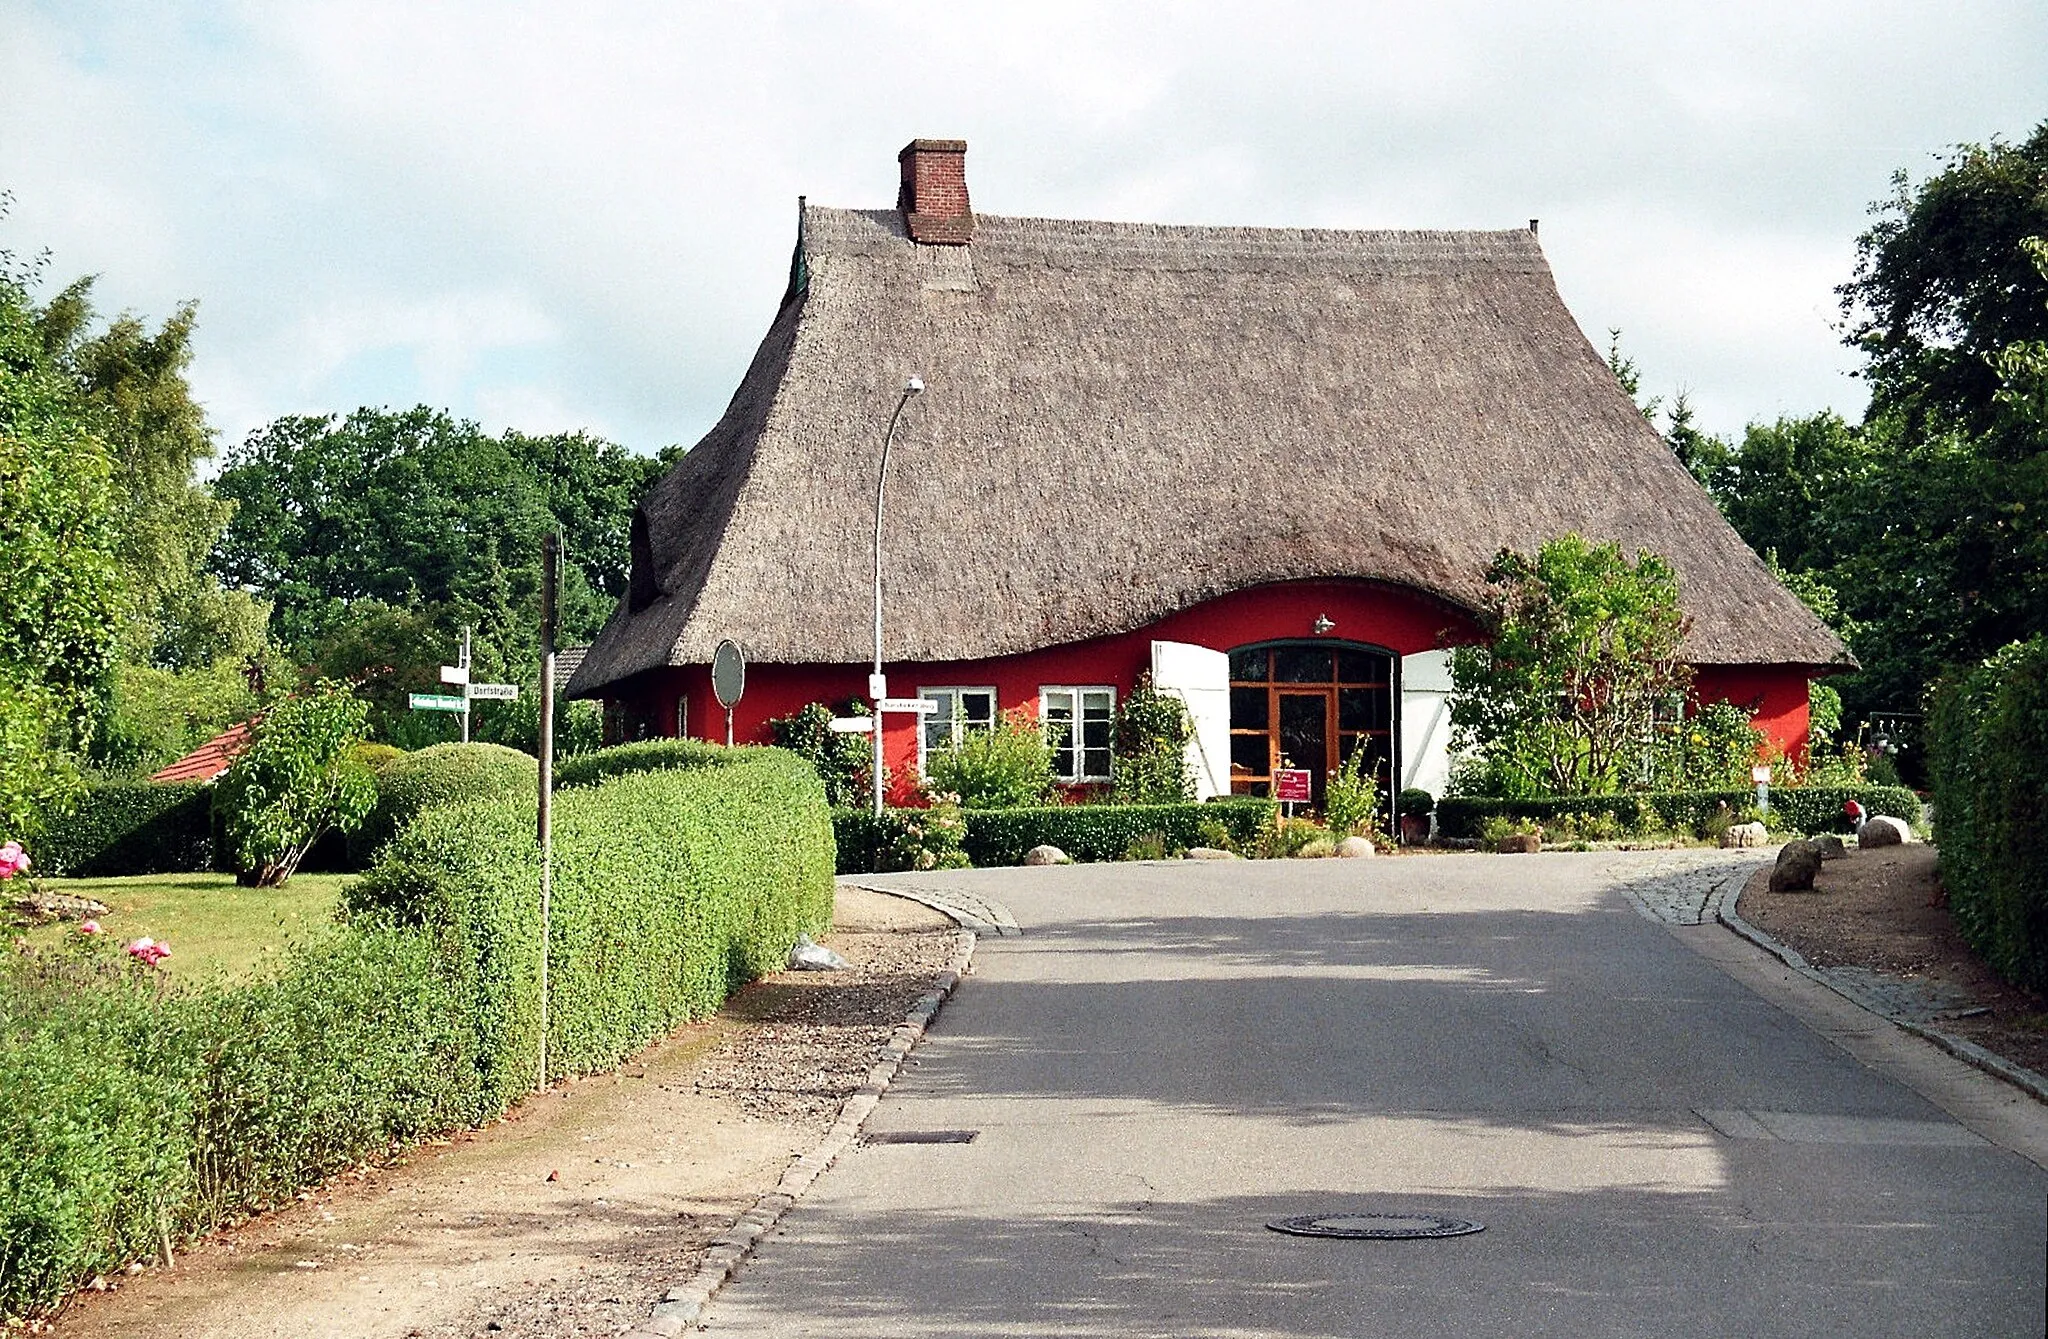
(436, 702)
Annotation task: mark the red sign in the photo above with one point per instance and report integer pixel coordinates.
(1291, 785)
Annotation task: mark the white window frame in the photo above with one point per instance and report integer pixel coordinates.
(1076, 696)
(958, 720)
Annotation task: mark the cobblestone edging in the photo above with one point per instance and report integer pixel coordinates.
(1687, 887)
(971, 911)
(680, 1308)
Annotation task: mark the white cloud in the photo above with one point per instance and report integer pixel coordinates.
(523, 209)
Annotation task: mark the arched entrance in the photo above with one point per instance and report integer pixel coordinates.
(1311, 704)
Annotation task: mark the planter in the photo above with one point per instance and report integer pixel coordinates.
(1414, 829)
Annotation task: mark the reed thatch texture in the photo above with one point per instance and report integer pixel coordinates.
(1124, 420)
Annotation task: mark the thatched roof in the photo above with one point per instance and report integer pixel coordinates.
(1124, 420)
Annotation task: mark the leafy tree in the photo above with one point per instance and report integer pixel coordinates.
(61, 587)
(160, 715)
(421, 511)
(1582, 652)
(300, 776)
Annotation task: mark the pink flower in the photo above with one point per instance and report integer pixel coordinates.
(148, 951)
(13, 860)
(89, 928)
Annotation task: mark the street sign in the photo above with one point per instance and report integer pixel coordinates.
(436, 702)
(852, 725)
(923, 706)
(728, 673)
(456, 674)
(1291, 785)
(494, 692)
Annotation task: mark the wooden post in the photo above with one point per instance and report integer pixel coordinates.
(550, 576)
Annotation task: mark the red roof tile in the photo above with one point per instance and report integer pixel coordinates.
(210, 759)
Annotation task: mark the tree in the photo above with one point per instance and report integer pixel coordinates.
(298, 777)
(1582, 653)
(61, 587)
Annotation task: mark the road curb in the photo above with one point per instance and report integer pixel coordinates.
(2026, 1080)
(683, 1304)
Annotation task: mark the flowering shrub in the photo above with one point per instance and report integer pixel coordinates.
(147, 951)
(13, 860)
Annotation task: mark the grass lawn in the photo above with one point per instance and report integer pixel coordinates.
(214, 928)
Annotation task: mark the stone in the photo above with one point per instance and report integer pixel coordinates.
(1209, 853)
(1831, 847)
(1355, 848)
(1797, 863)
(1745, 834)
(1883, 831)
(1519, 843)
(1047, 855)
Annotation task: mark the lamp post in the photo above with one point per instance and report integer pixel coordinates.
(876, 689)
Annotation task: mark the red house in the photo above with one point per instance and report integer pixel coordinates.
(1267, 465)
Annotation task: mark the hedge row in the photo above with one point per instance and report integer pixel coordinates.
(1804, 808)
(1990, 773)
(653, 755)
(1083, 831)
(133, 827)
(131, 1114)
(442, 774)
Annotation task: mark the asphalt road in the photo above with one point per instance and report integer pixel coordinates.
(1170, 1056)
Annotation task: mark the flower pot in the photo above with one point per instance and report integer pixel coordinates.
(1414, 829)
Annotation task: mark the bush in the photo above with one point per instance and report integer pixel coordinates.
(1292, 837)
(134, 827)
(442, 774)
(1799, 809)
(1414, 802)
(297, 778)
(1990, 778)
(1152, 736)
(132, 1114)
(651, 755)
(1351, 800)
(840, 760)
(1084, 831)
(1007, 767)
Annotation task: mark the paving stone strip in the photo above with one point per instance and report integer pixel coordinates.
(680, 1307)
(981, 915)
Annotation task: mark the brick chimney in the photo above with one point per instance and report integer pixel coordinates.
(933, 196)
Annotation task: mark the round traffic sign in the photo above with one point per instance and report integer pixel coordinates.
(728, 673)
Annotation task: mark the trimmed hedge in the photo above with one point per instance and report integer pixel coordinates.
(1986, 758)
(1804, 808)
(671, 888)
(132, 827)
(443, 774)
(131, 1114)
(652, 755)
(1083, 831)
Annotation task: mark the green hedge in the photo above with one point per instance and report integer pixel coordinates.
(1083, 831)
(1986, 756)
(670, 888)
(132, 827)
(442, 774)
(129, 1111)
(653, 755)
(1803, 809)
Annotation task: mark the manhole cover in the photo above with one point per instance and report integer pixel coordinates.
(1375, 1226)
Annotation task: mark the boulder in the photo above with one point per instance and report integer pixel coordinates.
(1883, 831)
(1830, 845)
(1047, 855)
(1745, 834)
(1355, 848)
(1519, 843)
(1209, 853)
(1797, 863)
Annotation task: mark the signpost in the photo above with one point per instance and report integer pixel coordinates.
(550, 579)
(852, 725)
(1761, 774)
(728, 679)
(437, 702)
(494, 692)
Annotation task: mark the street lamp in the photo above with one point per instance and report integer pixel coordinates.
(876, 684)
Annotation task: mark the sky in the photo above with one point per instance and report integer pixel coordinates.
(553, 217)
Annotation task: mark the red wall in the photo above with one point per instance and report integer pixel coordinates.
(1401, 620)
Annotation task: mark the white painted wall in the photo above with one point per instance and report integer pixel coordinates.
(1200, 677)
(1426, 720)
